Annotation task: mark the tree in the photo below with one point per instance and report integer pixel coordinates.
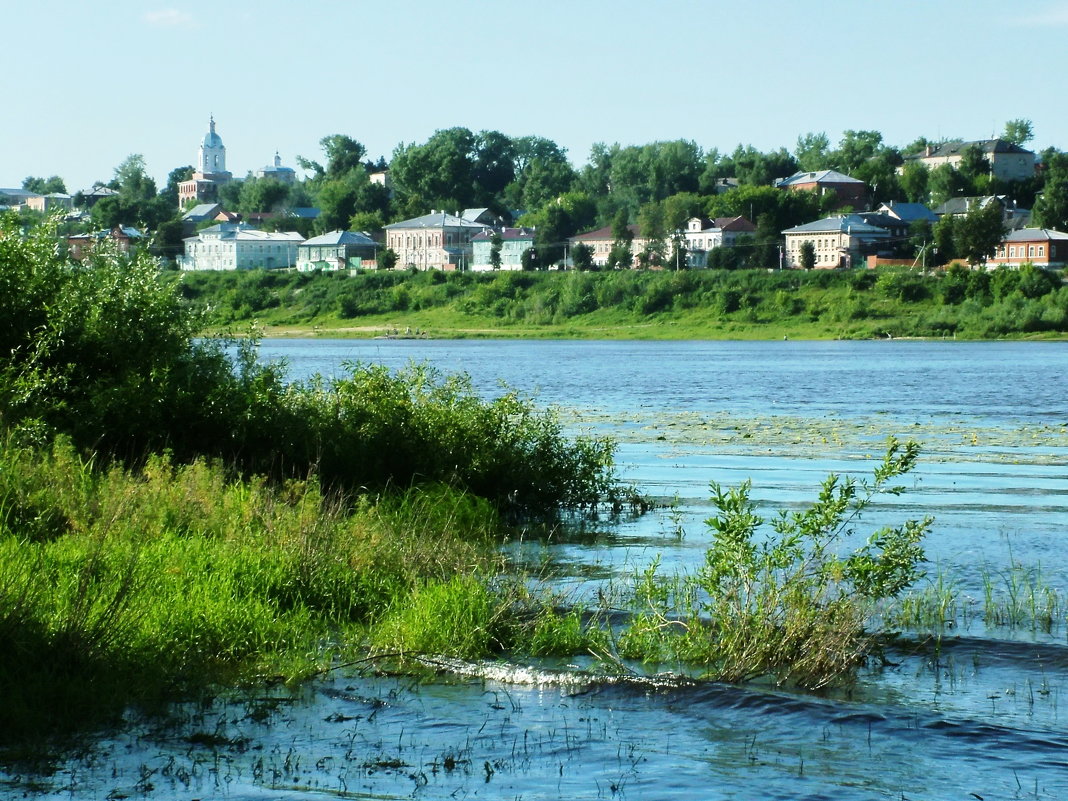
(978, 233)
(808, 255)
(436, 174)
(262, 195)
(1051, 206)
(855, 148)
(582, 257)
(945, 182)
(44, 186)
(944, 233)
(914, 180)
(387, 259)
(496, 241)
(621, 257)
(170, 192)
(812, 152)
(1018, 131)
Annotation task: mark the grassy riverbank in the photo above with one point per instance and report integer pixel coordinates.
(711, 304)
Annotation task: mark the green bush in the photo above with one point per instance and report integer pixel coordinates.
(782, 603)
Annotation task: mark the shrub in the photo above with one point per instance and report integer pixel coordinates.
(782, 603)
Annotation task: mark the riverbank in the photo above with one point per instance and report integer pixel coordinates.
(707, 304)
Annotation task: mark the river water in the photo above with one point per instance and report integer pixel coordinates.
(975, 715)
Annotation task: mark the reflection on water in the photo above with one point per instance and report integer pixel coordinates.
(974, 714)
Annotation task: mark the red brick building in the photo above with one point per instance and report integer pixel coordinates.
(1041, 247)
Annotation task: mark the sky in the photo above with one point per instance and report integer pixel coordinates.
(86, 83)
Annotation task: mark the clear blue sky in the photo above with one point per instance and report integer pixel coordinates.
(85, 84)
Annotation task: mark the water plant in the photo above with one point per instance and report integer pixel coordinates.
(782, 602)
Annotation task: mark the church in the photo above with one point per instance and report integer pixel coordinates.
(210, 172)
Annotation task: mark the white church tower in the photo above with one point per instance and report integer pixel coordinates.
(210, 171)
(211, 158)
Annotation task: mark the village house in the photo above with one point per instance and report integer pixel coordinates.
(237, 246)
(125, 239)
(600, 242)
(1041, 247)
(336, 250)
(703, 235)
(851, 192)
(1014, 217)
(435, 241)
(514, 243)
(837, 242)
(1008, 162)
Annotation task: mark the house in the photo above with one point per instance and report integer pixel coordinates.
(850, 191)
(435, 241)
(124, 238)
(92, 196)
(210, 173)
(1013, 215)
(337, 250)
(237, 246)
(16, 197)
(600, 242)
(1041, 247)
(1008, 162)
(703, 235)
(514, 243)
(287, 175)
(908, 212)
(50, 202)
(838, 241)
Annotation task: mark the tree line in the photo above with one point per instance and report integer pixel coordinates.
(529, 180)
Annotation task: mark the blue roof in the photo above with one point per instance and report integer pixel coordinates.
(341, 238)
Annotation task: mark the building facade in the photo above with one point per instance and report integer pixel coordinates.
(235, 246)
(1008, 162)
(336, 250)
(1041, 247)
(435, 241)
(850, 192)
(837, 242)
(703, 235)
(514, 243)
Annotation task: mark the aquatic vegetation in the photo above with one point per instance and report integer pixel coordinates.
(781, 603)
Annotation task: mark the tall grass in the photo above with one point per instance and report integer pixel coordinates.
(165, 580)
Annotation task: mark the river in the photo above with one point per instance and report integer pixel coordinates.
(974, 716)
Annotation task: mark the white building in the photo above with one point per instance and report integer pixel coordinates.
(233, 246)
(703, 235)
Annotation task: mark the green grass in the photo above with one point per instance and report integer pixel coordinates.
(147, 585)
(703, 304)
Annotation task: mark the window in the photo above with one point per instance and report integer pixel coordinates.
(1030, 251)
(1012, 251)
(1041, 250)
